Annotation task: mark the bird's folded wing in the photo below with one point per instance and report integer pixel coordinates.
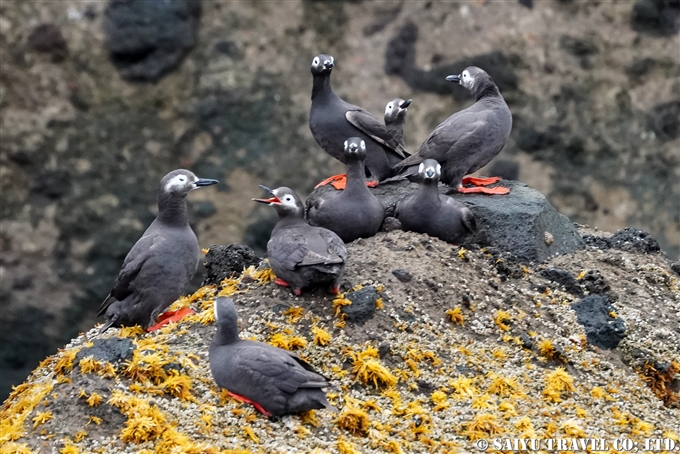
(289, 250)
(276, 368)
(368, 124)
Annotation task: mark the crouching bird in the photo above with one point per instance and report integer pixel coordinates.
(275, 381)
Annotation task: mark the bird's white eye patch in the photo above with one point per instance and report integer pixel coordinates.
(466, 74)
(215, 310)
(332, 60)
(176, 182)
(288, 199)
(363, 145)
(439, 169)
(315, 62)
(421, 168)
(345, 145)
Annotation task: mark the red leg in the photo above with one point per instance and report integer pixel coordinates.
(170, 316)
(257, 406)
(481, 181)
(483, 190)
(297, 291)
(281, 282)
(335, 290)
(372, 184)
(337, 181)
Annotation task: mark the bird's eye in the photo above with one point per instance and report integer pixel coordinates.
(465, 75)
(389, 106)
(288, 198)
(182, 179)
(316, 61)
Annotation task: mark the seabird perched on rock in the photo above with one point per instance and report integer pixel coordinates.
(332, 121)
(395, 118)
(160, 265)
(355, 212)
(427, 211)
(273, 380)
(467, 140)
(301, 255)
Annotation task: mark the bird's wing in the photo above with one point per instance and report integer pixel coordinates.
(368, 124)
(132, 265)
(461, 126)
(290, 249)
(337, 251)
(271, 365)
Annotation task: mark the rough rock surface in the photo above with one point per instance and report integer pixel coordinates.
(82, 149)
(467, 355)
(226, 261)
(516, 223)
(599, 320)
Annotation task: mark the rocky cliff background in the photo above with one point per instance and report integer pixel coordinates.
(99, 100)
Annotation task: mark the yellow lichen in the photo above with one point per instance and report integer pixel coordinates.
(131, 331)
(338, 303)
(178, 385)
(483, 425)
(456, 315)
(309, 417)
(69, 449)
(558, 382)
(463, 387)
(79, 436)
(65, 362)
(503, 386)
(368, 368)
(547, 349)
(288, 342)
(353, 420)
(501, 319)
(379, 304)
(94, 420)
(573, 429)
(294, 314)
(94, 400)
(251, 434)
(345, 447)
(321, 336)
(41, 418)
(15, 448)
(440, 399)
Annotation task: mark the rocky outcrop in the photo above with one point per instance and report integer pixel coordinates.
(592, 87)
(430, 347)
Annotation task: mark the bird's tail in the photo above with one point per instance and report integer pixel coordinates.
(105, 326)
(409, 173)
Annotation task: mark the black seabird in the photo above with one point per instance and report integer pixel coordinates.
(427, 211)
(274, 380)
(355, 212)
(301, 255)
(333, 120)
(160, 265)
(395, 118)
(467, 140)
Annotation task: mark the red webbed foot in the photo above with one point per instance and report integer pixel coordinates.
(481, 181)
(283, 283)
(372, 184)
(257, 406)
(337, 181)
(170, 316)
(499, 190)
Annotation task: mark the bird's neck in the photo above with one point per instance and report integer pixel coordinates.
(397, 132)
(172, 210)
(288, 220)
(428, 193)
(321, 86)
(489, 91)
(356, 177)
(227, 333)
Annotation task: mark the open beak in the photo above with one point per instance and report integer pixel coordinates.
(405, 104)
(270, 200)
(204, 182)
(328, 64)
(454, 78)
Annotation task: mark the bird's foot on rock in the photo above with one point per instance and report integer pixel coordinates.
(257, 406)
(337, 181)
(170, 316)
(499, 190)
(283, 283)
(481, 181)
(335, 290)
(372, 184)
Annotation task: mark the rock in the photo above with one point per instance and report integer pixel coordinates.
(634, 240)
(565, 278)
(664, 120)
(603, 330)
(515, 223)
(363, 304)
(402, 275)
(675, 266)
(112, 350)
(595, 283)
(147, 40)
(47, 39)
(226, 261)
(656, 17)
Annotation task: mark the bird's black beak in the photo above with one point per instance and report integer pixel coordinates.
(328, 64)
(405, 104)
(454, 78)
(273, 199)
(204, 182)
(353, 148)
(429, 173)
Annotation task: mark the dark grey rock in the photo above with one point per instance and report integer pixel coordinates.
(384, 349)
(602, 329)
(565, 278)
(664, 120)
(224, 261)
(675, 266)
(656, 17)
(112, 350)
(402, 275)
(515, 223)
(390, 223)
(634, 240)
(363, 304)
(146, 39)
(47, 38)
(595, 283)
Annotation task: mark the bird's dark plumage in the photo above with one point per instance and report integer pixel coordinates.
(427, 211)
(302, 255)
(275, 379)
(354, 212)
(395, 118)
(160, 265)
(470, 138)
(332, 121)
